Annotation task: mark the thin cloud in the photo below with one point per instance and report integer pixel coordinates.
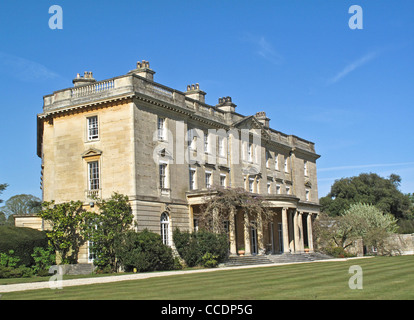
(352, 67)
(363, 166)
(264, 49)
(24, 69)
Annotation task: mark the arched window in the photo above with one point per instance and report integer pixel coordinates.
(165, 227)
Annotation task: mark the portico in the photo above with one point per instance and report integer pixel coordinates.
(288, 231)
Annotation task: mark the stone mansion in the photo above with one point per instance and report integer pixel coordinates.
(166, 149)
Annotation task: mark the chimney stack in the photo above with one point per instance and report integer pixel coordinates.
(261, 117)
(86, 79)
(225, 104)
(143, 70)
(194, 92)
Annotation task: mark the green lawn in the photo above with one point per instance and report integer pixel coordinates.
(383, 278)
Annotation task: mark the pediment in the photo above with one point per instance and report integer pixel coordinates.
(92, 152)
(308, 184)
(253, 125)
(251, 170)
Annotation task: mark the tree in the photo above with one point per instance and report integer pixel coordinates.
(2, 188)
(22, 204)
(360, 221)
(223, 201)
(68, 232)
(114, 218)
(367, 188)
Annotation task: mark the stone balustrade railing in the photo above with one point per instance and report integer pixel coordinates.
(92, 88)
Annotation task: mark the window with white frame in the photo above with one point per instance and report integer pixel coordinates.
(91, 252)
(93, 175)
(206, 142)
(208, 179)
(250, 152)
(161, 128)
(192, 173)
(267, 159)
(287, 189)
(163, 175)
(191, 139)
(276, 162)
(221, 146)
(223, 180)
(251, 185)
(93, 128)
(165, 228)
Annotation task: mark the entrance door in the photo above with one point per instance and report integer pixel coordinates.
(280, 233)
(254, 239)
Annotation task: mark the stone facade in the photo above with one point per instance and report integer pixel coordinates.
(165, 148)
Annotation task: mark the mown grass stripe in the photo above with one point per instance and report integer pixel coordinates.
(383, 278)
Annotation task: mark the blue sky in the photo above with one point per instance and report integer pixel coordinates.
(349, 91)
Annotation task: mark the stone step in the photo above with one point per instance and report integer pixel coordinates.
(275, 258)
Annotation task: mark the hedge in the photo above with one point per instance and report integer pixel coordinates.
(22, 241)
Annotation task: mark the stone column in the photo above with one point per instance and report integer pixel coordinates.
(261, 248)
(301, 246)
(285, 230)
(247, 249)
(296, 231)
(310, 236)
(232, 232)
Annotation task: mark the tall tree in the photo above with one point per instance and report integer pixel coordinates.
(114, 218)
(2, 188)
(367, 188)
(68, 228)
(22, 204)
(360, 221)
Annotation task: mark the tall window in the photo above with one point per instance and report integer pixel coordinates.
(278, 189)
(305, 168)
(250, 152)
(93, 172)
(223, 179)
(307, 195)
(287, 190)
(221, 147)
(192, 179)
(191, 139)
(161, 128)
(269, 187)
(165, 228)
(93, 130)
(206, 146)
(286, 164)
(267, 159)
(276, 162)
(251, 185)
(163, 175)
(208, 179)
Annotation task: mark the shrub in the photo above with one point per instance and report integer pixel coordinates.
(209, 260)
(7, 260)
(144, 251)
(20, 272)
(43, 259)
(337, 252)
(192, 247)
